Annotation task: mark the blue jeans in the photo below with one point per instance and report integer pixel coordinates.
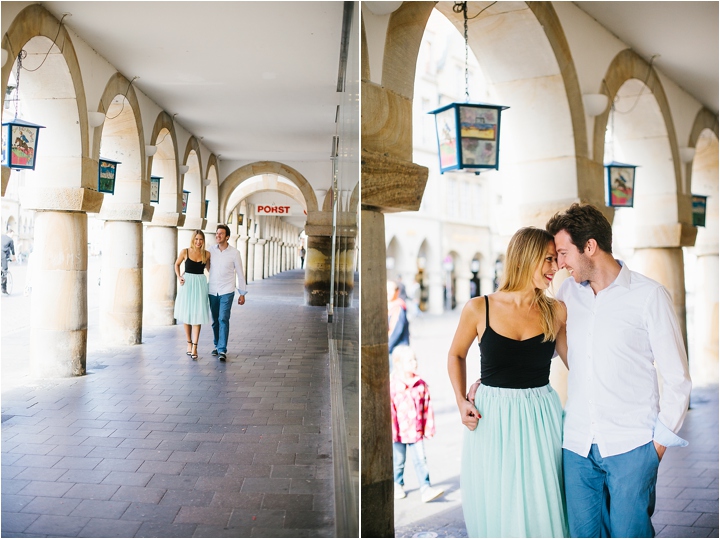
(611, 496)
(220, 307)
(418, 456)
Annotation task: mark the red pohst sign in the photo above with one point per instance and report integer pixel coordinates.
(263, 209)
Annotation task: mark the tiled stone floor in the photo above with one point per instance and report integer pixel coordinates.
(152, 444)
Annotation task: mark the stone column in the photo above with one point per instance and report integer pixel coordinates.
(390, 182)
(377, 466)
(704, 362)
(435, 282)
(58, 305)
(242, 247)
(317, 270)
(121, 285)
(260, 271)
(250, 275)
(666, 266)
(160, 282)
(266, 259)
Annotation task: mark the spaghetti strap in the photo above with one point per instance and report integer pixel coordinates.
(487, 312)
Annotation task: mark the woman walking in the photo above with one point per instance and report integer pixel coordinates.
(192, 307)
(511, 475)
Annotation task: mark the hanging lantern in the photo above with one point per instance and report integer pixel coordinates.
(620, 187)
(19, 144)
(468, 136)
(107, 170)
(155, 188)
(19, 138)
(207, 203)
(699, 208)
(186, 194)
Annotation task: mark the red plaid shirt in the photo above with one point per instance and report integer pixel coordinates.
(412, 415)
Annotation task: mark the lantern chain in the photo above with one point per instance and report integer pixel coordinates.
(21, 55)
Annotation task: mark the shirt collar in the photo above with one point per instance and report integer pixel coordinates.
(623, 278)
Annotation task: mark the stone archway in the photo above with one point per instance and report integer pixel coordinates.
(702, 174)
(65, 191)
(161, 234)
(660, 221)
(212, 192)
(121, 138)
(235, 178)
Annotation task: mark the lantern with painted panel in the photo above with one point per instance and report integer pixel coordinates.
(186, 194)
(699, 208)
(468, 136)
(620, 186)
(19, 144)
(107, 171)
(155, 188)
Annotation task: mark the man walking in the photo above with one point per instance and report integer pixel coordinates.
(225, 265)
(622, 332)
(8, 249)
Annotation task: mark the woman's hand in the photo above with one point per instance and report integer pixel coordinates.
(473, 390)
(182, 281)
(469, 414)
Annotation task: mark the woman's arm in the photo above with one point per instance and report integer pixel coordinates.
(466, 333)
(561, 339)
(180, 258)
(207, 261)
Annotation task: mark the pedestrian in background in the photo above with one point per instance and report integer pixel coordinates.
(8, 252)
(398, 325)
(302, 257)
(412, 421)
(192, 307)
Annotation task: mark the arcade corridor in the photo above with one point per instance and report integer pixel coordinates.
(151, 443)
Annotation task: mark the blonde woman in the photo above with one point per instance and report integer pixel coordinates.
(511, 477)
(192, 307)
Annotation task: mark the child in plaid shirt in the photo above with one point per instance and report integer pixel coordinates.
(412, 420)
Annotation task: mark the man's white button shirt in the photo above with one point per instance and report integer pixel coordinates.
(615, 341)
(224, 266)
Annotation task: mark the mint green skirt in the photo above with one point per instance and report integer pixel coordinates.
(192, 305)
(511, 477)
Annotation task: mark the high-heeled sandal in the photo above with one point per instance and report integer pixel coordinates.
(195, 355)
(189, 352)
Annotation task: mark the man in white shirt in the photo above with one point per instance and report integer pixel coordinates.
(225, 264)
(622, 332)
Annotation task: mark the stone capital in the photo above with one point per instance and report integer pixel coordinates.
(167, 219)
(261, 241)
(62, 199)
(665, 235)
(194, 223)
(390, 184)
(127, 212)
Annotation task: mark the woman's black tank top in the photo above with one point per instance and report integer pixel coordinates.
(508, 363)
(194, 267)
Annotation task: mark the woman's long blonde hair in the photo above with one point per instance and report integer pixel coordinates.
(192, 243)
(525, 253)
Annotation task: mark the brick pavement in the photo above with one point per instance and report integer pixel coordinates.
(152, 444)
(687, 493)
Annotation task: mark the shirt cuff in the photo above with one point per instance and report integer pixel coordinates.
(242, 292)
(664, 436)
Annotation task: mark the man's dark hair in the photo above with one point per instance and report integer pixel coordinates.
(583, 222)
(225, 228)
